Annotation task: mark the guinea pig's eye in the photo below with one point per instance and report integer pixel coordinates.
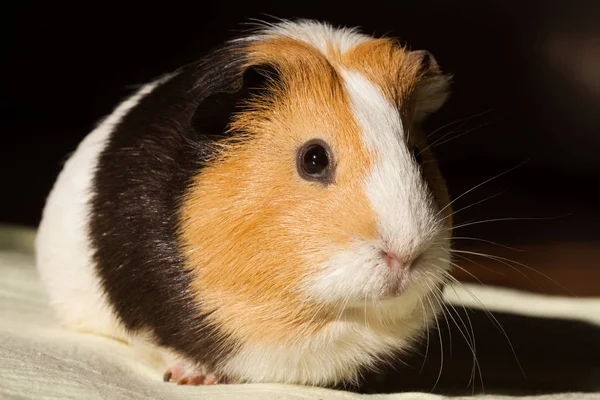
(314, 161)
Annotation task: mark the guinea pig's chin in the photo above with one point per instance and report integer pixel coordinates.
(396, 283)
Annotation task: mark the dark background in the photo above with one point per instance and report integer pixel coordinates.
(526, 79)
(526, 88)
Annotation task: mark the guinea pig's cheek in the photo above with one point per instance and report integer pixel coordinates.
(348, 275)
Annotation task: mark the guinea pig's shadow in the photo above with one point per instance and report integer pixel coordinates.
(555, 355)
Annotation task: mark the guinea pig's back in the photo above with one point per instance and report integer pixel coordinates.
(64, 254)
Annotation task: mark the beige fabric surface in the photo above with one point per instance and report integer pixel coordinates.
(39, 360)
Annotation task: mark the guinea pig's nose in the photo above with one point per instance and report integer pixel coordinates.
(396, 262)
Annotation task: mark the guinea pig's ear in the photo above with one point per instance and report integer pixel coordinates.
(432, 88)
(214, 112)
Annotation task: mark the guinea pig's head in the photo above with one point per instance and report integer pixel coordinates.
(321, 191)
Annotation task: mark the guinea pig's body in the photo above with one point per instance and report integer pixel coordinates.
(259, 216)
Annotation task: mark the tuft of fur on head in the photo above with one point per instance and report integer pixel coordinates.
(293, 269)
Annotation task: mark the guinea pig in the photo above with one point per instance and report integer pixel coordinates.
(269, 213)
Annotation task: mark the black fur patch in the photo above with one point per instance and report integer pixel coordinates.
(145, 169)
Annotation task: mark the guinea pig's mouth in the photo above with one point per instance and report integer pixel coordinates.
(371, 272)
(396, 285)
(399, 276)
(400, 291)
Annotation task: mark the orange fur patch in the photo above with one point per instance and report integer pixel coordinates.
(388, 65)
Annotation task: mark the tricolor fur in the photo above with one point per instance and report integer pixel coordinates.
(183, 214)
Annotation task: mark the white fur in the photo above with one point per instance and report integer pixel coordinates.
(63, 252)
(334, 353)
(317, 34)
(352, 273)
(407, 216)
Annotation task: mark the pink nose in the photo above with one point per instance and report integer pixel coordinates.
(395, 262)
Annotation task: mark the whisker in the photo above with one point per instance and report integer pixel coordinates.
(474, 204)
(491, 316)
(378, 311)
(500, 261)
(505, 219)
(465, 119)
(342, 309)
(486, 241)
(426, 332)
(441, 344)
(366, 321)
(483, 183)
(464, 270)
(444, 310)
(463, 133)
(506, 261)
(479, 264)
(432, 292)
(448, 133)
(456, 121)
(470, 343)
(476, 365)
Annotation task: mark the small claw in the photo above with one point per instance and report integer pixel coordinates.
(188, 377)
(183, 381)
(197, 380)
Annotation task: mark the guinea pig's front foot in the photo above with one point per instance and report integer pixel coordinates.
(183, 375)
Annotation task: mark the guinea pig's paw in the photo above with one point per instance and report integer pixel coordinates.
(184, 375)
